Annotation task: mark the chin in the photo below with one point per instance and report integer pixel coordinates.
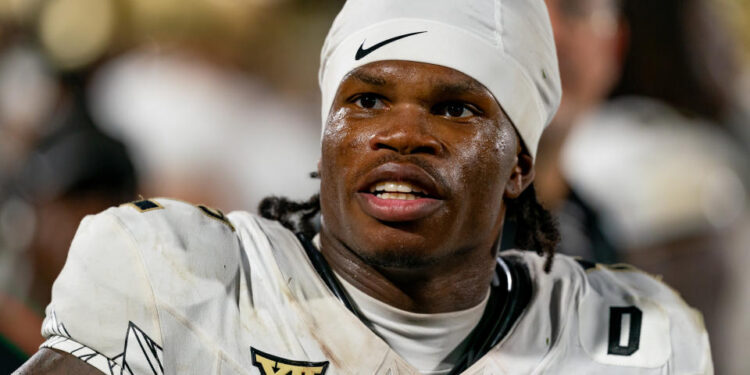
(398, 258)
(392, 247)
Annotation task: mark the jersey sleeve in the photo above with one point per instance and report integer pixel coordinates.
(103, 309)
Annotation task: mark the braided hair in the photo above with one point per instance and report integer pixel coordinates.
(534, 226)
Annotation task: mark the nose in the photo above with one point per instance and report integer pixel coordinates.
(407, 134)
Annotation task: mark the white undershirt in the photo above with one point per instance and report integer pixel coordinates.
(426, 341)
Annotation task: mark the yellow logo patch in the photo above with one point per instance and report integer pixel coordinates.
(272, 365)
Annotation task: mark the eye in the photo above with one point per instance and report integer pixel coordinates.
(368, 101)
(456, 110)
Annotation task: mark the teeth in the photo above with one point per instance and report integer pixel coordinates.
(401, 196)
(395, 187)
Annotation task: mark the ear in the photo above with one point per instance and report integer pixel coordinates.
(521, 175)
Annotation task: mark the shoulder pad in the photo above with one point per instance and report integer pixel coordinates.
(173, 216)
(177, 212)
(200, 239)
(630, 318)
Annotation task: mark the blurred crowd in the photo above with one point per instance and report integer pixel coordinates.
(216, 102)
(647, 160)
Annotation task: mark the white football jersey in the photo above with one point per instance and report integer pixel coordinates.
(164, 287)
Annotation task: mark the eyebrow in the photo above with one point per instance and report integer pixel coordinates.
(469, 86)
(369, 79)
(458, 88)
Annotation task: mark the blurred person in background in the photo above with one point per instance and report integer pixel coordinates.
(40, 80)
(74, 171)
(199, 89)
(190, 118)
(199, 73)
(590, 37)
(28, 95)
(654, 176)
(56, 166)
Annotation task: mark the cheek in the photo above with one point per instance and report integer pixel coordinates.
(344, 144)
(335, 126)
(334, 143)
(342, 136)
(339, 152)
(483, 158)
(485, 169)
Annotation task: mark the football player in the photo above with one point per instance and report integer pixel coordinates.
(432, 111)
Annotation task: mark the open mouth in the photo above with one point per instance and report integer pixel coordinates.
(397, 190)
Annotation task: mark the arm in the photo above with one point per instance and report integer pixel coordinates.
(54, 362)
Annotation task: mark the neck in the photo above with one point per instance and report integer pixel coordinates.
(456, 283)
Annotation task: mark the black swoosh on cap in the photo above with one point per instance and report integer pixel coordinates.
(362, 52)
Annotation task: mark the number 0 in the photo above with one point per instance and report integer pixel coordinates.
(616, 315)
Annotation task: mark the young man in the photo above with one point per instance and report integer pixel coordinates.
(432, 111)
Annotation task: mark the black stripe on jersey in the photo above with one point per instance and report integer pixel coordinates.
(621, 267)
(586, 264)
(503, 310)
(325, 272)
(215, 213)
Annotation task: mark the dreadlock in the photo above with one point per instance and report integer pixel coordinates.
(295, 216)
(535, 227)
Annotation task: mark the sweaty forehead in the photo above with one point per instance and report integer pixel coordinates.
(437, 78)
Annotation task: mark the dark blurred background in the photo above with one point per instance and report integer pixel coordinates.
(216, 102)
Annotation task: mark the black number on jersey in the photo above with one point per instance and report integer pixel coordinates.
(616, 315)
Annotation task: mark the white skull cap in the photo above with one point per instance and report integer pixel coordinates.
(507, 45)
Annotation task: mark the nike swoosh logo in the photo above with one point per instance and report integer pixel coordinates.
(362, 52)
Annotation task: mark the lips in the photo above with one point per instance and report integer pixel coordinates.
(396, 192)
